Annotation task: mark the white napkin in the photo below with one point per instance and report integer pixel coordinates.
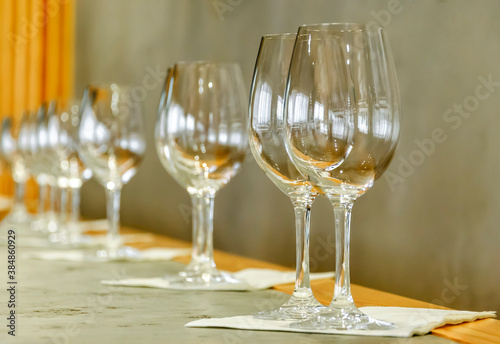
(249, 279)
(408, 321)
(81, 256)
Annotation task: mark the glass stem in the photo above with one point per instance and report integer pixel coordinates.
(342, 297)
(63, 203)
(19, 211)
(74, 216)
(204, 238)
(302, 209)
(75, 204)
(52, 218)
(53, 198)
(42, 196)
(62, 214)
(19, 194)
(197, 232)
(113, 241)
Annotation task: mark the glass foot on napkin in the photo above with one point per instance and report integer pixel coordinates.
(66, 240)
(296, 308)
(123, 253)
(201, 276)
(343, 318)
(201, 281)
(20, 221)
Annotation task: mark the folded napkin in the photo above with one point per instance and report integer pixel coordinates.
(408, 321)
(246, 280)
(81, 256)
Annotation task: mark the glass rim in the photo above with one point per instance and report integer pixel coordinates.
(279, 35)
(341, 26)
(203, 62)
(109, 85)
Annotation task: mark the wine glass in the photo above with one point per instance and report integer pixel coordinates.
(13, 157)
(68, 169)
(111, 144)
(323, 103)
(47, 140)
(27, 148)
(201, 141)
(72, 166)
(267, 135)
(38, 169)
(52, 153)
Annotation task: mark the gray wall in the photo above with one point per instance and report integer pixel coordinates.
(429, 232)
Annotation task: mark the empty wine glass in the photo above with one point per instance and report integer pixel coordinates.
(38, 169)
(47, 139)
(267, 135)
(111, 143)
(27, 149)
(342, 78)
(12, 156)
(201, 141)
(52, 152)
(74, 170)
(67, 168)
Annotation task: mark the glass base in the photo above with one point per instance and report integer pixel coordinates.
(296, 308)
(343, 319)
(40, 224)
(19, 215)
(18, 218)
(204, 280)
(46, 223)
(22, 229)
(70, 241)
(201, 275)
(123, 253)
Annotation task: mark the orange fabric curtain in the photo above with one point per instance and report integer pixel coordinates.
(36, 60)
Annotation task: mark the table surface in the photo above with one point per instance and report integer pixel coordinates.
(63, 302)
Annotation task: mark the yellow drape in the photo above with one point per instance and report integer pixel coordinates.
(36, 60)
